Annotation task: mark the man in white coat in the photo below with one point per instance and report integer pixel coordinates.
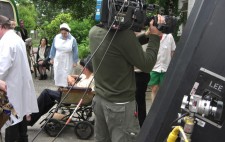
(15, 71)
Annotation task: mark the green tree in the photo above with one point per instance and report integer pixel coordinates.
(28, 13)
(79, 9)
(153, 1)
(46, 11)
(80, 30)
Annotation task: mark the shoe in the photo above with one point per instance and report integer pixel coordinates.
(41, 77)
(45, 76)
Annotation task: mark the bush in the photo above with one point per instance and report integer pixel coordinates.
(84, 49)
(80, 30)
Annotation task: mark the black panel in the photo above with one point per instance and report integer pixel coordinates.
(201, 45)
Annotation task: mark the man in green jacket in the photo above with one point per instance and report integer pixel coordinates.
(114, 103)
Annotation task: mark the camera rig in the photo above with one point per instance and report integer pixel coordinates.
(123, 14)
(132, 14)
(206, 98)
(203, 105)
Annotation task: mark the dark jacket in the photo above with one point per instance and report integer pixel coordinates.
(46, 55)
(23, 33)
(115, 79)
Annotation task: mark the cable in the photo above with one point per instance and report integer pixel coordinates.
(69, 119)
(61, 101)
(174, 134)
(90, 81)
(183, 115)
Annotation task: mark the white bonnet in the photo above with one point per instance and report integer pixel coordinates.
(66, 26)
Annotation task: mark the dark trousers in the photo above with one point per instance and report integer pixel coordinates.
(46, 101)
(142, 80)
(17, 133)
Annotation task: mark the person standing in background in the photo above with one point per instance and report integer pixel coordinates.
(165, 54)
(64, 55)
(24, 35)
(142, 79)
(14, 70)
(23, 31)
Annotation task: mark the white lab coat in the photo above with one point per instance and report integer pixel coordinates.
(63, 61)
(15, 71)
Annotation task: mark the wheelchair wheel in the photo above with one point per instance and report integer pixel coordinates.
(84, 130)
(53, 127)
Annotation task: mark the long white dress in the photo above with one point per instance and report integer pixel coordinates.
(15, 71)
(63, 59)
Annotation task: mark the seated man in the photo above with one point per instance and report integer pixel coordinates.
(48, 98)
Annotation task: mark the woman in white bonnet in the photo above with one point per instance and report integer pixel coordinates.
(64, 55)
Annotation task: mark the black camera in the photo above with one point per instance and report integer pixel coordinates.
(132, 14)
(170, 21)
(122, 14)
(167, 27)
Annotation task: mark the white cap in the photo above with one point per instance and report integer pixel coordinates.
(66, 26)
(28, 42)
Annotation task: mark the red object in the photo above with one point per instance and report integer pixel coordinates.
(136, 114)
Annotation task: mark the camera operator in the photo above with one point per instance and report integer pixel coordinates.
(114, 103)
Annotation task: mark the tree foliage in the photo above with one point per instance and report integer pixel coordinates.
(80, 30)
(27, 12)
(79, 9)
(46, 11)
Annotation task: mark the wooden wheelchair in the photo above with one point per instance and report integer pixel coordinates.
(83, 126)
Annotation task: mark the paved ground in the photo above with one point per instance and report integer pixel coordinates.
(68, 134)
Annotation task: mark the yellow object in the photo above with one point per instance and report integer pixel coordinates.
(189, 120)
(174, 134)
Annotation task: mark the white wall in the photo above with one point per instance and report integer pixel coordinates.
(190, 6)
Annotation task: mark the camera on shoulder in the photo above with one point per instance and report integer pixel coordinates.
(132, 14)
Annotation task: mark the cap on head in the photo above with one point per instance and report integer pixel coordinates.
(65, 26)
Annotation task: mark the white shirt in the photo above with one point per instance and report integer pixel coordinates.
(167, 46)
(144, 47)
(15, 71)
(41, 53)
(84, 82)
